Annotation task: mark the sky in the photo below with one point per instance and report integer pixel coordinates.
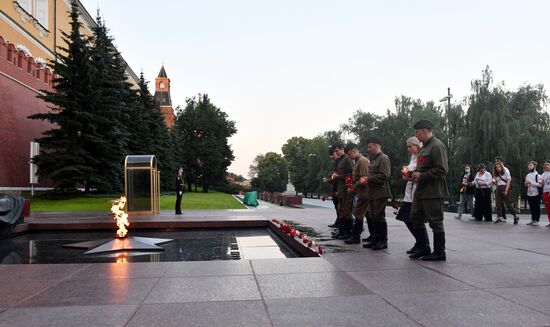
(302, 67)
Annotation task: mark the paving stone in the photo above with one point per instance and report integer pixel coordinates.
(404, 281)
(93, 292)
(122, 270)
(202, 289)
(289, 266)
(41, 272)
(13, 292)
(212, 314)
(306, 285)
(537, 297)
(354, 262)
(112, 315)
(465, 308)
(368, 310)
(208, 268)
(511, 256)
(495, 275)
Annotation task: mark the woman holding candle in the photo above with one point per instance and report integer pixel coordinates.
(404, 213)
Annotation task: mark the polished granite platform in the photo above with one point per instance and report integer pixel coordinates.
(496, 275)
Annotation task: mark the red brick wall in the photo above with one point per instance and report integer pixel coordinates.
(20, 80)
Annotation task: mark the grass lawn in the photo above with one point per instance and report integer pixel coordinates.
(192, 200)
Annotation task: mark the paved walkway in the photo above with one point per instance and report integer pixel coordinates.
(496, 275)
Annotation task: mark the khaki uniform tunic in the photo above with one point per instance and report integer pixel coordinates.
(378, 190)
(432, 186)
(361, 169)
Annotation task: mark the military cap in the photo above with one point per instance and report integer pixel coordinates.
(424, 124)
(375, 140)
(350, 146)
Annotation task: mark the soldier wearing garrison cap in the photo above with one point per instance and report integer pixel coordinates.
(359, 187)
(343, 173)
(432, 167)
(378, 192)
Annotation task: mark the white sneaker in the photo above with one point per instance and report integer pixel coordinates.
(533, 223)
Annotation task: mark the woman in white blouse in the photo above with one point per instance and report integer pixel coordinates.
(533, 181)
(483, 182)
(404, 213)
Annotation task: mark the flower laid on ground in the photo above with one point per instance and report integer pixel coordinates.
(287, 229)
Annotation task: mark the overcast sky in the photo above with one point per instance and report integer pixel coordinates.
(301, 67)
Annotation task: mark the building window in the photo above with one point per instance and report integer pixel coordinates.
(26, 5)
(41, 12)
(36, 11)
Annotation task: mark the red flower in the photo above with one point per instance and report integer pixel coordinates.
(420, 160)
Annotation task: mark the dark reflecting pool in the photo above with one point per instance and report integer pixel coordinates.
(187, 245)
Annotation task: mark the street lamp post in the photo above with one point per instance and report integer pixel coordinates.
(449, 149)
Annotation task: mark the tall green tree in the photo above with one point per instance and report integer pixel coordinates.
(66, 155)
(270, 171)
(203, 131)
(297, 154)
(110, 108)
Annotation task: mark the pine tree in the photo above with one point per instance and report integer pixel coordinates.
(65, 155)
(111, 88)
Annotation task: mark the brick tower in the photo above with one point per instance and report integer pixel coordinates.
(162, 95)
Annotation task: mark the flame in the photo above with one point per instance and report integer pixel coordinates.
(122, 258)
(405, 170)
(121, 217)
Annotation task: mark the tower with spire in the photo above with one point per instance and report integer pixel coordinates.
(162, 95)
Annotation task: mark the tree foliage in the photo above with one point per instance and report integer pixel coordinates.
(202, 133)
(98, 118)
(67, 148)
(271, 172)
(496, 121)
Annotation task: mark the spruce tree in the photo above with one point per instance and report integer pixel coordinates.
(109, 102)
(65, 149)
(157, 139)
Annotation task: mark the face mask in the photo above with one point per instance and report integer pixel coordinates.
(532, 170)
(467, 171)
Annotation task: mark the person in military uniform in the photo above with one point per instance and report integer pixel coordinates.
(334, 186)
(342, 175)
(432, 167)
(378, 192)
(359, 187)
(180, 184)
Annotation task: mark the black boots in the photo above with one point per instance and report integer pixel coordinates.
(370, 226)
(356, 232)
(336, 223)
(439, 249)
(379, 239)
(344, 230)
(416, 244)
(382, 235)
(373, 238)
(423, 248)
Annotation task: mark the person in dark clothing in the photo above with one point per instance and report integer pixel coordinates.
(431, 170)
(341, 176)
(334, 186)
(378, 192)
(180, 185)
(467, 190)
